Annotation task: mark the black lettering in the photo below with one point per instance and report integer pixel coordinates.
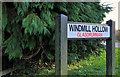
(71, 27)
(106, 29)
(75, 28)
(94, 29)
(79, 28)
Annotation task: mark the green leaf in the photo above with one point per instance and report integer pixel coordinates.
(49, 55)
(4, 17)
(46, 31)
(32, 24)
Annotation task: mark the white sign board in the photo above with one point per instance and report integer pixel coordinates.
(85, 30)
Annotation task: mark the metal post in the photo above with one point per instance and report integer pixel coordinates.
(110, 50)
(61, 45)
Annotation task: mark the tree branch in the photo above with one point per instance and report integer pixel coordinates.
(32, 55)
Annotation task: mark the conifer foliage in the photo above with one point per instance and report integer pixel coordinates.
(28, 27)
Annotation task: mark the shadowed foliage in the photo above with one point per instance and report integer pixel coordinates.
(29, 28)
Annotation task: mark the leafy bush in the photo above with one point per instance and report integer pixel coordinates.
(29, 28)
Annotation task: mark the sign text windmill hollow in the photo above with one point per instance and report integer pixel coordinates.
(86, 30)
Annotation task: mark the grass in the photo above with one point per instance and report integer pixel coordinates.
(116, 41)
(93, 65)
(117, 61)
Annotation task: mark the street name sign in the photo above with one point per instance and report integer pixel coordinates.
(66, 30)
(87, 30)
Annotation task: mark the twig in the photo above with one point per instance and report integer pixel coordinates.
(32, 55)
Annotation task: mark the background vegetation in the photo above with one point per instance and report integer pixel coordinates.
(92, 65)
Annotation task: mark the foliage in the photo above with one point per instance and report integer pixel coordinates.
(92, 65)
(29, 26)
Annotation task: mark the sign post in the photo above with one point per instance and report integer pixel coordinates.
(61, 45)
(110, 50)
(76, 30)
